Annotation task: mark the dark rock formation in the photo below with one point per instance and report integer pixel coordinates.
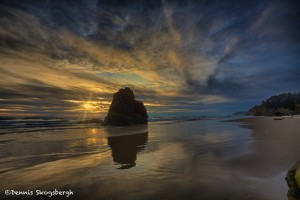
(293, 180)
(125, 110)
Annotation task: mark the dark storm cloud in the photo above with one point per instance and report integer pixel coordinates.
(169, 52)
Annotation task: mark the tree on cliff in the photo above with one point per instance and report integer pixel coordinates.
(283, 104)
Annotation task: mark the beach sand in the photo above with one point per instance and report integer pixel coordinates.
(239, 159)
(275, 145)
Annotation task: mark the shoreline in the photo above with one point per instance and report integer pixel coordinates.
(247, 158)
(274, 148)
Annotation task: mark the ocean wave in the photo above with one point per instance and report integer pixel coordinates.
(33, 124)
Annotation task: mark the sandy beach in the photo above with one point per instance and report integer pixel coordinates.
(274, 147)
(210, 159)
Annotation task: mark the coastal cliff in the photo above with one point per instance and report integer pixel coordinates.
(125, 110)
(283, 104)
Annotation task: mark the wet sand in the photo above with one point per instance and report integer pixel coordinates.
(275, 146)
(207, 159)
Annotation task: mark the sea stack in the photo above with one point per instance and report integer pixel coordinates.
(125, 110)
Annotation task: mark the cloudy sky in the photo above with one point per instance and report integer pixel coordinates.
(66, 58)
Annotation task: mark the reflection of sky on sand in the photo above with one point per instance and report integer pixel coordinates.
(51, 174)
(94, 138)
(274, 149)
(172, 161)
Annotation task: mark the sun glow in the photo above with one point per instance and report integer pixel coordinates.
(89, 106)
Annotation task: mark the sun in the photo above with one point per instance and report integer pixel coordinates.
(88, 106)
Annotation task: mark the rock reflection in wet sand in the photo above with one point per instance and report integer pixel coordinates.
(125, 148)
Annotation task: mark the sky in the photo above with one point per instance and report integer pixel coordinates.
(180, 57)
